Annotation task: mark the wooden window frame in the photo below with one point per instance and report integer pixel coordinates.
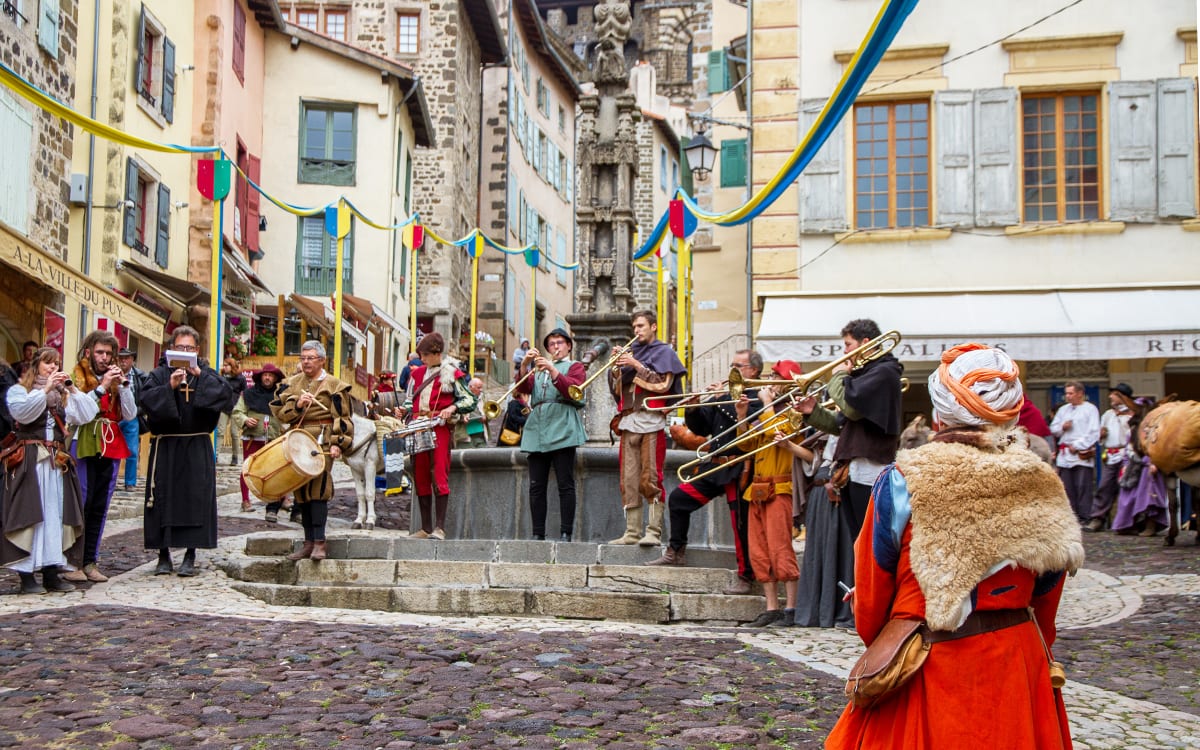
(892, 190)
(328, 265)
(400, 16)
(316, 18)
(1060, 151)
(341, 13)
(239, 42)
(307, 170)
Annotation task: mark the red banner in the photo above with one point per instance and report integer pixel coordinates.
(54, 327)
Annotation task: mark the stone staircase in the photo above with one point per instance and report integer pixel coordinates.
(467, 577)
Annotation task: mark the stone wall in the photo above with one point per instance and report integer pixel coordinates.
(645, 286)
(51, 180)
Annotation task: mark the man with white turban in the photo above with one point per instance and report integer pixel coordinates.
(970, 534)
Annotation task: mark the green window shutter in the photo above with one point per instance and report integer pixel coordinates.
(163, 238)
(733, 163)
(48, 27)
(718, 72)
(168, 81)
(129, 221)
(140, 68)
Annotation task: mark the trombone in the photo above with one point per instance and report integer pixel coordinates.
(576, 391)
(807, 383)
(684, 398)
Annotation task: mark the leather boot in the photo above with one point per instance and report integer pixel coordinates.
(304, 552)
(672, 556)
(187, 568)
(52, 581)
(318, 551)
(1150, 529)
(653, 536)
(30, 585)
(633, 526)
(164, 563)
(425, 503)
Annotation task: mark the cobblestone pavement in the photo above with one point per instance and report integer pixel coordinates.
(149, 661)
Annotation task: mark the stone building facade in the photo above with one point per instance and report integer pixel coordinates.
(445, 44)
(35, 153)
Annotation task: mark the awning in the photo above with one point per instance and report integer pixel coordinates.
(53, 273)
(233, 260)
(1040, 324)
(181, 290)
(368, 312)
(312, 307)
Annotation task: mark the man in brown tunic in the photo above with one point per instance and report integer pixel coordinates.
(320, 404)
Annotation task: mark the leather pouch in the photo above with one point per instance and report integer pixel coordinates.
(760, 492)
(891, 661)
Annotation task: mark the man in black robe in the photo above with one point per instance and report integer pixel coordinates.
(182, 408)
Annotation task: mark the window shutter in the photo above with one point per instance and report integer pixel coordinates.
(570, 181)
(718, 72)
(823, 181)
(996, 157)
(15, 162)
(1177, 147)
(139, 70)
(129, 228)
(733, 164)
(168, 86)
(953, 112)
(1132, 134)
(253, 205)
(48, 27)
(164, 225)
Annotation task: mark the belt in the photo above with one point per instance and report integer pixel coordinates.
(979, 621)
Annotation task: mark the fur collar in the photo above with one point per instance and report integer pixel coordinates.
(446, 373)
(979, 501)
(83, 377)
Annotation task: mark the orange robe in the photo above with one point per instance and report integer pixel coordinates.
(986, 691)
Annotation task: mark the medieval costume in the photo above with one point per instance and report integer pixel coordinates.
(42, 515)
(255, 403)
(971, 534)
(430, 392)
(330, 420)
(552, 432)
(98, 449)
(181, 480)
(643, 435)
(1143, 500)
(819, 603)
(868, 427)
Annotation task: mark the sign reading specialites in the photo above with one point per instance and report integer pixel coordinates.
(60, 277)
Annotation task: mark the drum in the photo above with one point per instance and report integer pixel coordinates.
(284, 465)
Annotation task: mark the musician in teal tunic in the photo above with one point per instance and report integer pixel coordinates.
(553, 429)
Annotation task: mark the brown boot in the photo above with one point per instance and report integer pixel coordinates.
(633, 527)
(306, 551)
(653, 536)
(318, 552)
(1150, 529)
(670, 556)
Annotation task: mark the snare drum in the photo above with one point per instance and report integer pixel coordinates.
(284, 465)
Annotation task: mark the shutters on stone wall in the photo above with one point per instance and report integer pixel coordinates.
(16, 147)
(1132, 132)
(163, 235)
(1177, 147)
(129, 222)
(718, 72)
(48, 18)
(954, 153)
(996, 157)
(168, 80)
(823, 181)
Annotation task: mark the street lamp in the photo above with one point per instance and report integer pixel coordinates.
(701, 155)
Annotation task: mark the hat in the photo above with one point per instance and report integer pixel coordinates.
(787, 369)
(126, 353)
(387, 375)
(1123, 389)
(976, 385)
(268, 367)
(558, 332)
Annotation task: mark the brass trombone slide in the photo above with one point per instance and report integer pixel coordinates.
(576, 391)
(491, 409)
(791, 419)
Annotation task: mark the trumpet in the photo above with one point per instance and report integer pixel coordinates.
(576, 391)
(491, 409)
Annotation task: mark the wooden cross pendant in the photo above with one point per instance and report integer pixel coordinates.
(187, 391)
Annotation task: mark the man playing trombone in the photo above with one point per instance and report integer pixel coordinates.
(868, 396)
(713, 420)
(648, 369)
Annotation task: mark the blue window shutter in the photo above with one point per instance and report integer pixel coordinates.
(718, 72)
(139, 69)
(996, 157)
(168, 81)
(1177, 147)
(954, 151)
(733, 163)
(1133, 178)
(163, 237)
(48, 27)
(129, 225)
